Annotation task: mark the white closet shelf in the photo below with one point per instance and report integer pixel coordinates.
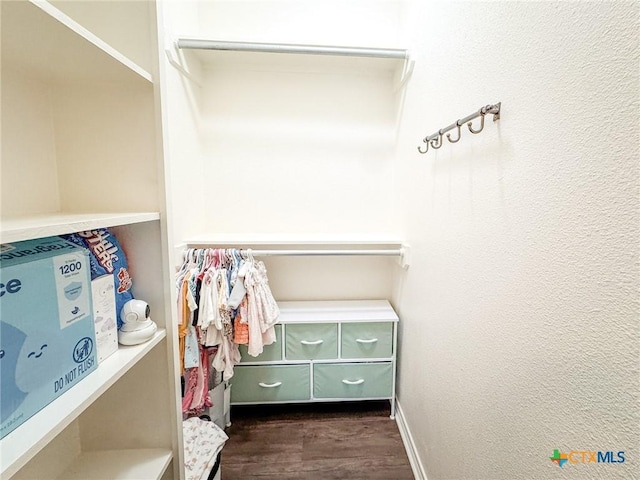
(46, 225)
(18, 447)
(57, 48)
(147, 463)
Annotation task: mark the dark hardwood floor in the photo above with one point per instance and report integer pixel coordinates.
(338, 441)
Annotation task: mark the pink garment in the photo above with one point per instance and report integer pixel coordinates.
(190, 380)
(201, 398)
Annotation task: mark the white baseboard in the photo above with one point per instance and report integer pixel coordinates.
(409, 445)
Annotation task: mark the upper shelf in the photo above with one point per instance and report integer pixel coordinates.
(59, 49)
(40, 226)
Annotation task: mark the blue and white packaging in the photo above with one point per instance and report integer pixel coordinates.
(47, 340)
(106, 257)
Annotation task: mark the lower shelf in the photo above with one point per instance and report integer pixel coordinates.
(19, 446)
(139, 464)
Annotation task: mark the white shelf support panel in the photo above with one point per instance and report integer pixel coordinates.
(204, 44)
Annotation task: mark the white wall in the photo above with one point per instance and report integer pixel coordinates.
(285, 150)
(266, 146)
(366, 23)
(55, 137)
(292, 152)
(94, 142)
(519, 330)
(27, 111)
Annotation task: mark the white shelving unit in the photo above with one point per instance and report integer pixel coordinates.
(79, 142)
(23, 443)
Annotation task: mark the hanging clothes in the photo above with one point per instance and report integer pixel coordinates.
(224, 300)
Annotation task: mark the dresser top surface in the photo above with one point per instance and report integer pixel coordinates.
(318, 311)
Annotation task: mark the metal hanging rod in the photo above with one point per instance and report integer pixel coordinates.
(200, 44)
(435, 140)
(402, 253)
(312, 253)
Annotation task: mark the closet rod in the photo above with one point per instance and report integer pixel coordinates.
(200, 44)
(312, 253)
(403, 253)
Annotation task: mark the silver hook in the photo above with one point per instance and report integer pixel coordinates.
(437, 142)
(426, 145)
(470, 125)
(449, 135)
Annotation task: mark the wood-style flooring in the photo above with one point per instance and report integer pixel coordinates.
(338, 441)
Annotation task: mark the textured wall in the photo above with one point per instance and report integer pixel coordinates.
(520, 309)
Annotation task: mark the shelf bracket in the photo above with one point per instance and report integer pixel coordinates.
(407, 71)
(177, 63)
(405, 256)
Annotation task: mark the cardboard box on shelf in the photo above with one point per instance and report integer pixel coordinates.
(47, 339)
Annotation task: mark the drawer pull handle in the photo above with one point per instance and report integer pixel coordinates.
(270, 385)
(362, 340)
(353, 382)
(315, 342)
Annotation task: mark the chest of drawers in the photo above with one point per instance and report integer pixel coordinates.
(325, 351)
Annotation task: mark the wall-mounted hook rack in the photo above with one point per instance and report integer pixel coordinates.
(435, 139)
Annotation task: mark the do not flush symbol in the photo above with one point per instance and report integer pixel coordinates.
(83, 349)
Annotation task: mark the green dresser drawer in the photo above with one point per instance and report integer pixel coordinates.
(270, 383)
(367, 340)
(311, 341)
(353, 380)
(270, 353)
